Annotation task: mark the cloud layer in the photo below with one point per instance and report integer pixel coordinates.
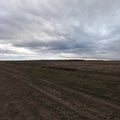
(41, 29)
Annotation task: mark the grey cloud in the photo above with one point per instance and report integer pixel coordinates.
(81, 28)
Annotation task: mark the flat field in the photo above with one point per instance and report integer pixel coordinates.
(60, 90)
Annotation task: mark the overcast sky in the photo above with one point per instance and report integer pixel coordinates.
(42, 29)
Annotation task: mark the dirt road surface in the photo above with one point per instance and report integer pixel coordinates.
(60, 90)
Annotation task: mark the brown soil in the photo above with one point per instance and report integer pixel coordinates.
(60, 90)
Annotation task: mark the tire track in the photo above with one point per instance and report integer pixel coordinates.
(24, 79)
(51, 96)
(56, 99)
(88, 96)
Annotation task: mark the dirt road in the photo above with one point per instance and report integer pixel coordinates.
(59, 90)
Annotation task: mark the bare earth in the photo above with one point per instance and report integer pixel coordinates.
(60, 90)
